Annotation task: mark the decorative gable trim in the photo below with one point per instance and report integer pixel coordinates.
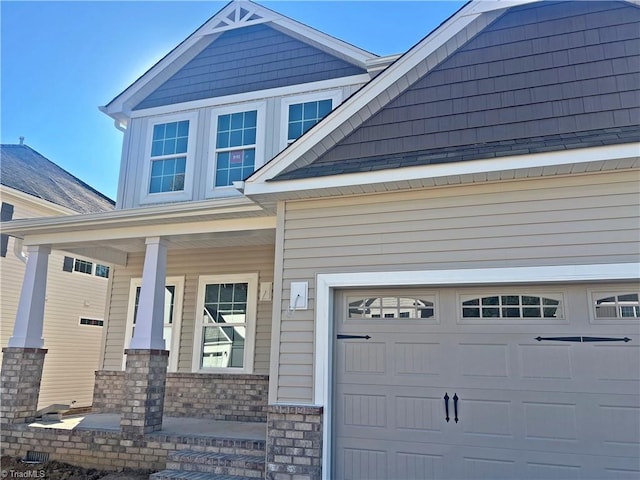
(237, 15)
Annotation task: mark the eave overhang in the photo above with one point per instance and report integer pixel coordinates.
(517, 167)
(110, 236)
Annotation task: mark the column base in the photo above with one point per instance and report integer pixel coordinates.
(144, 388)
(21, 378)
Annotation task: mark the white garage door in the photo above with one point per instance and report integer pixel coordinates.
(537, 383)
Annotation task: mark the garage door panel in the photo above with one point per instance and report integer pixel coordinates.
(360, 459)
(526, 408)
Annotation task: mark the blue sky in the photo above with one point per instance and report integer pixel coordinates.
(61, 60)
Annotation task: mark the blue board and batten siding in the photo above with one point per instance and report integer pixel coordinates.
(248, 59)
(542, 77)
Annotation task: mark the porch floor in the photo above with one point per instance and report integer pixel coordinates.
(185, 426)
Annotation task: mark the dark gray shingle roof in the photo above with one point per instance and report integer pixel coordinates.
(542, 77)
(24, 169)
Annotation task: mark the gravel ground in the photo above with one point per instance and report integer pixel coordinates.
(11, 467)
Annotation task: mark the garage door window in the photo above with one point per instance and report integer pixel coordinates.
(391, 307)
(620, 305)
(512, 306)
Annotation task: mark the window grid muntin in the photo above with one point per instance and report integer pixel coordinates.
(618, 305)
(167, 175)
(236, 138)
(512, 305)
(391, 306)
(303, 116)
(83, 266)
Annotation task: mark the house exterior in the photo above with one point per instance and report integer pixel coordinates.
(34, 187)
(437, 279)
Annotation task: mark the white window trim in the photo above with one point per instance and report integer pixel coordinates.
(182, 195)
(211, 191)
(597, 292)
(327, 283)
(334, 95)
(174, 348)
(252, 306)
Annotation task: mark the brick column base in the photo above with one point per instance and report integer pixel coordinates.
(294, 442)
(144, 386)
(21, 376)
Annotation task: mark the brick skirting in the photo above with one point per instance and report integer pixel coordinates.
(110, 450)
(294, 442)
(241, 398)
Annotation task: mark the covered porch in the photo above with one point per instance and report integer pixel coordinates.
(201, 244)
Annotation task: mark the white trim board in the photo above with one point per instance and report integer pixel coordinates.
(326, 283)
(534, 160)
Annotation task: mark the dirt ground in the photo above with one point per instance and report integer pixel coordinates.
(11, 467)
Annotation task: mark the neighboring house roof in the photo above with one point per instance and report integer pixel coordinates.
(533, 78)
(244, 47)
(25, 170)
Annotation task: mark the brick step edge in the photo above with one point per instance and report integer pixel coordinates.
(213, 458)
(182, 475)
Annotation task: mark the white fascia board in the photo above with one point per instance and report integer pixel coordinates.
(483, 6)
(546, 159)
(180, 212)
(98, 234)
(366, 94)
(331, 44)
(253, 96)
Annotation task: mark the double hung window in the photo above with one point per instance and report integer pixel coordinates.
(169, 156)
(225, 326)
(237, 145)
(169, 168)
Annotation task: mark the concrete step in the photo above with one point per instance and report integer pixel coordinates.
(182, 475)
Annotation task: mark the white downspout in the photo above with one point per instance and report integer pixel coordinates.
(17, 250)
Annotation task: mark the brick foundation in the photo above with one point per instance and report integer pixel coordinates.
(144, 389)
(233, 397)
(21, 376)
(110, 450)
(294, 442)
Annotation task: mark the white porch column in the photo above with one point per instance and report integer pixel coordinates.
(27, 330)
(148, 331)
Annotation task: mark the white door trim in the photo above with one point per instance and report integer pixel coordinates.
(327, 282)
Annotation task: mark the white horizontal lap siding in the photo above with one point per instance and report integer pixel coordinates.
(73, 349)
(191, 264)
(585, 219)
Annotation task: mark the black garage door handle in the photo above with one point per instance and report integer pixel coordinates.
(446, 406)
(340, 337)
(583, 339)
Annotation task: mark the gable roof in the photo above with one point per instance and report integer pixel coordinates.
(200, 56)
(27, 171)
(487, 83)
